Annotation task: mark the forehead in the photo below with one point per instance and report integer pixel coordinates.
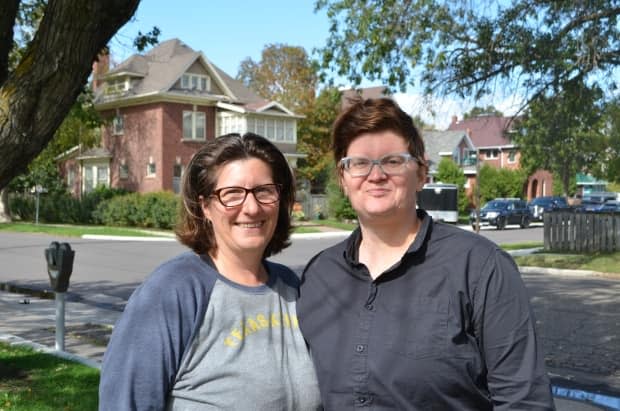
(375, 145)
(247, 172)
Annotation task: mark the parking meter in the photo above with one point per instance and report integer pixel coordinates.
(59, 258)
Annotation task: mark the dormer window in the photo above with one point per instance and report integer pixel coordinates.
(115, 86)
(195, 82)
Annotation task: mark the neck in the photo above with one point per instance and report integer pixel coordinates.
(383, 245)
(244, 270)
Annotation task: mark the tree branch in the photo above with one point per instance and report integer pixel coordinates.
(8, 13)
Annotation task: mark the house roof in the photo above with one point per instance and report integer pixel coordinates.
(156, 73)
(438, 143)
(94, 153)
(485, 130)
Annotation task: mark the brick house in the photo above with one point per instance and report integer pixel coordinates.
(453, 144)
(491, 138)
(159, 108)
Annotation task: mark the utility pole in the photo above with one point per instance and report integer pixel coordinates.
(477, 190)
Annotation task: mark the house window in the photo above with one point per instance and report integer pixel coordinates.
(289, 131)
(116, 86)
(194, 125)
(279, 130)
(95, 175)
(118, 124)
(195, 82)
(270, 130)
(151, 169)
(491, 154)
(70, 177)
(512, 156)
(251, 124)
(260, 126)
(123, 171)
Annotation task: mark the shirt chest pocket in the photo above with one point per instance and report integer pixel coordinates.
(417, 328)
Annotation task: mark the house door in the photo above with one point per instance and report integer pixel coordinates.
(177, 173)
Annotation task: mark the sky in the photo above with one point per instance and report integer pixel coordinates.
(228, 32)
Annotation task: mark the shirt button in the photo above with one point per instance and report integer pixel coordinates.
(369, 307)
(362, 400)
(359, 347)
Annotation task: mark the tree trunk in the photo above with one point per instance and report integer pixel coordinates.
(39, 92)
(5, 211)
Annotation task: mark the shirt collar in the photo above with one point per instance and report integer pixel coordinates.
(351, 251)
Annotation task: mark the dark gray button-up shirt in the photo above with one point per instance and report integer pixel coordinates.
(448, 327)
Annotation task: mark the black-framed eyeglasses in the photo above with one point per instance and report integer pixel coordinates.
(235, 196)
(390, 164)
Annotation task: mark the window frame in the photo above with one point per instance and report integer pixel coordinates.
(194, 116)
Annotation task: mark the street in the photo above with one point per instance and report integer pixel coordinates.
(577, 316)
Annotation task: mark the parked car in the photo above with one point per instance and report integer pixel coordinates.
(503, 211)
(593, 201)
(609, 206)
(539, 205)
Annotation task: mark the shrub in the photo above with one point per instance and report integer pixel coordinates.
(151, 210)
(339, 206)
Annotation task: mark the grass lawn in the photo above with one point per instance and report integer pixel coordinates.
(34, 381)
(80, 230)
(77, 230)
(601, 262)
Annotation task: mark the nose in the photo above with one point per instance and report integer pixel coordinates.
(251, 204)
(376, 172)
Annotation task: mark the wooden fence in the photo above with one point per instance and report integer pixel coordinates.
(581, 232)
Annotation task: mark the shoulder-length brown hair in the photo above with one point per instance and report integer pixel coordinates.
(200, 178)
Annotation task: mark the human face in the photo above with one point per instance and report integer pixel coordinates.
(247, 228)
(378, 194)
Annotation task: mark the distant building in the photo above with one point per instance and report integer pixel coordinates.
(159, 109)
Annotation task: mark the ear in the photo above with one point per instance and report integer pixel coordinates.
(342, 184)
(204, 205)
(421, 177)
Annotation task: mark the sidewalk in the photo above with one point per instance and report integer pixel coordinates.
(32, 321)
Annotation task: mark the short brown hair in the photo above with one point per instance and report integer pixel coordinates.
(200, 178)
(373, 116)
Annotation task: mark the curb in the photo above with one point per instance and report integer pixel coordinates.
(15, 340)
(299, 236)
(561, 272)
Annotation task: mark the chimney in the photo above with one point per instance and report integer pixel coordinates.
(454, 120)
(101, 66)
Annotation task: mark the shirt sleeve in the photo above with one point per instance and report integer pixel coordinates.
(505, 324)
(148, 342)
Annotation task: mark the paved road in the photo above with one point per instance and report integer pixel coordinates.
(577, 316)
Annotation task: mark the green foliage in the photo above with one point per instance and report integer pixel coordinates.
(339, 206)
(151, 210)
(562, 133)
(502, 182)
(314, 139)
(558, 188)
(284, 74)
(472, 49)
(60, 207)
(477, 111)
(612, 129)
(449, 172)
(37, 381)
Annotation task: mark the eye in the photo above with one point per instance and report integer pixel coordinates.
(359, 162)
(393, 161)
(233, 192)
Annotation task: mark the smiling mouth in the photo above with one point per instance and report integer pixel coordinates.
(251, 225)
